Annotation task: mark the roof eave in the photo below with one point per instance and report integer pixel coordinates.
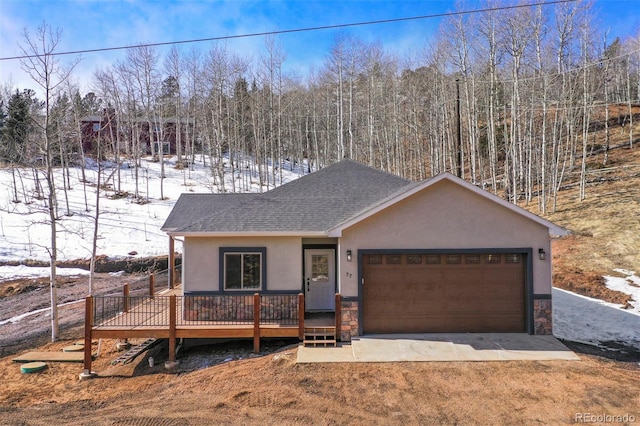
(301, 234)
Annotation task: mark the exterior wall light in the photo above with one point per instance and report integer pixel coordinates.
(542, 254)
(349, 256)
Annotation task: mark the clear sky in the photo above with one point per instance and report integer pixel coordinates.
(88, 24)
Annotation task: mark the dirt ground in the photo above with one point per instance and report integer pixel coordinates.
(26, 295)
(214, 386)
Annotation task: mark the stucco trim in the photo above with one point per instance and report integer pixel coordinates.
(554, 229)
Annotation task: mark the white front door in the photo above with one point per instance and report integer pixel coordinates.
(319, 280)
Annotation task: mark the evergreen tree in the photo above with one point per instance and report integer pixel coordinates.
(17, 126)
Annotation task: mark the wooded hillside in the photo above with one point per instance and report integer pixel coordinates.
(515, 99)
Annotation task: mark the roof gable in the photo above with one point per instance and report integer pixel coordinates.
(554, 229)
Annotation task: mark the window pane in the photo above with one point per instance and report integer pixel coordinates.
(433, 259)
(394, 259)
(512, 258)
(233, 266)
(251, 270)
(472, 258)
(319, 268)
(454, 259)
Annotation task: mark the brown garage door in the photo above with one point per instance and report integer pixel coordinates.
(443, 293)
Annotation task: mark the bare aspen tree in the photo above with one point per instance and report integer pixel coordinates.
(141, 69)
(173, 67)
(46, 72)
(193, 77)
(586, 48)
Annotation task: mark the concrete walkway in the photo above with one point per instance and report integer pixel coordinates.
(441, 347)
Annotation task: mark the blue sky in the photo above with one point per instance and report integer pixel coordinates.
(90, 24)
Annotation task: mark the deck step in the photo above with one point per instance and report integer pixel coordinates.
(132, 353)
(315, 336)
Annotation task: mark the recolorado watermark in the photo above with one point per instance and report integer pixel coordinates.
(604, 418)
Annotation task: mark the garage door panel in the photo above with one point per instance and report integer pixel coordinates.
(409, 298)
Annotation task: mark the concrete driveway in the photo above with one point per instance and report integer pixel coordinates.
(441, 347)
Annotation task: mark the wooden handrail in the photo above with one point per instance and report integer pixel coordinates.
(125, 294)
(338, 309)
(301, 316)
(172, 262)
(152, 285)
(256, 323)
(172, 327)
(88, 326)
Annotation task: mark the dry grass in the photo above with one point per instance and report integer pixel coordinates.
(605, 226)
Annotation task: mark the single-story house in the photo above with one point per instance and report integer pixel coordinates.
(441, 255)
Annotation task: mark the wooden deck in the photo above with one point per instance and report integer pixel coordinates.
(150, 319)
(162, 316)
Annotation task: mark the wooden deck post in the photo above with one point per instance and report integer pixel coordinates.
(125, 294)
(338, 316)
(256, 323)
(152, 285)
(88, 326)
(301, 316)
(172, 327)
(172, 262)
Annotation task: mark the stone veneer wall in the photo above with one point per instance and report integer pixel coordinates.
(349, 320)
(542, 319)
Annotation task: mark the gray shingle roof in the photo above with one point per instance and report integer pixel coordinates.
(191, 208)
(314, 203)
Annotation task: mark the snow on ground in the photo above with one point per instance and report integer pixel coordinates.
(20, 317)
(583, 319)
(628, 284)
(22, 271)
(125, 226)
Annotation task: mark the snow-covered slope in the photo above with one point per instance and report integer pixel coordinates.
(583, 319)
(125, 226)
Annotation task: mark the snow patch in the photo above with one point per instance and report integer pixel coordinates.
(20, 317)
(23, 271)
(126, 226)
(586, 320)
(629, 284)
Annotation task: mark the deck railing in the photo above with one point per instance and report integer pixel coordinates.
(281, 309)
(216, 309)
(135, 311)
(130, 311)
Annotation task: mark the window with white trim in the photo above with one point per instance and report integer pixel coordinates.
(243, 269)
